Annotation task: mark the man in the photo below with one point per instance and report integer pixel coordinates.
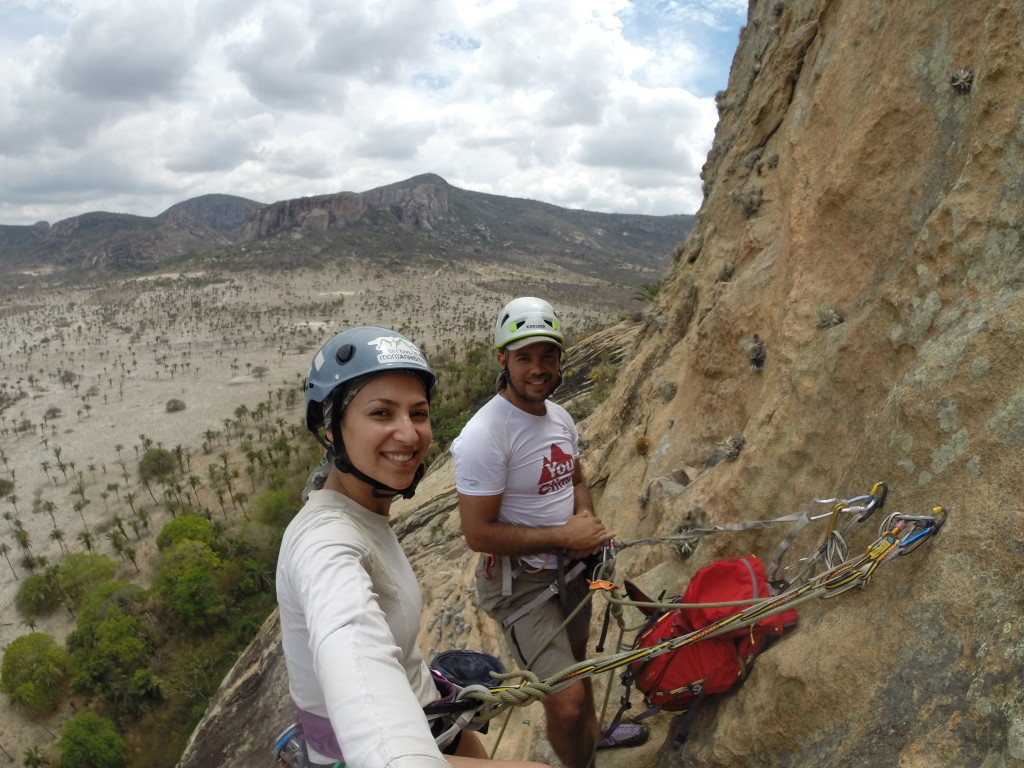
(525, 505)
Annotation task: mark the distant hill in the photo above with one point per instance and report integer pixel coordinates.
(223, 213)
(420, 217)
(425, 215)
(117, 241)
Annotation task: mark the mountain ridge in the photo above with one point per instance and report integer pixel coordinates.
(449, 222)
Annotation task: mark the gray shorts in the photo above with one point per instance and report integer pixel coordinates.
(532, 630)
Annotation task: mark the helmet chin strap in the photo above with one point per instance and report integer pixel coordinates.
(379, 489)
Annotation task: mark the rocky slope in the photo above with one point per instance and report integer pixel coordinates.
(112, 242)
(863, 216)
(419, 218)
(425, 214)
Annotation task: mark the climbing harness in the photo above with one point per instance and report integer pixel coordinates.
(827, 572)
(455, 674)
(556, 589)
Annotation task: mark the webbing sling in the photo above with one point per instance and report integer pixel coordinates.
(541, 597)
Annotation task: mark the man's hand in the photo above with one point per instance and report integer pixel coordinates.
(584, 535)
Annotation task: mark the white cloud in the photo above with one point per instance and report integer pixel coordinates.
(119, 105)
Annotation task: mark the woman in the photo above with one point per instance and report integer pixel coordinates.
(350, 604)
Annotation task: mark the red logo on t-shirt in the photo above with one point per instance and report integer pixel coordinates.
(556, 472)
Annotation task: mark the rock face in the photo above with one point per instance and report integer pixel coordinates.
(863, 216)
(414, 204)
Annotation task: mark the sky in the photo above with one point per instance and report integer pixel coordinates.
(131, 106)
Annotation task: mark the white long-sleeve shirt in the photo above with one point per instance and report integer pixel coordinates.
(350, 613)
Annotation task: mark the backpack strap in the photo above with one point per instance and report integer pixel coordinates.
(684, 723)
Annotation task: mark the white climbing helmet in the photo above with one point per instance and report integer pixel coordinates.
(527, 320)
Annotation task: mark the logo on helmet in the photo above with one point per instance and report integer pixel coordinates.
(394, 349)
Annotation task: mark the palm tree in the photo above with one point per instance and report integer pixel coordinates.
(117, 542)
(117, 522)
(87, 539)
(78, 506)
(6, 552)
(50, 508)
(22, 539)
(58, 535)
(33, 758)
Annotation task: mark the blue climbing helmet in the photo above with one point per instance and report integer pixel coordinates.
(339, 368)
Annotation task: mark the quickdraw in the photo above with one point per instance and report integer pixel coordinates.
(900, 535)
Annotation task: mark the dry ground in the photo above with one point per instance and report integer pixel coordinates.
(215, 342)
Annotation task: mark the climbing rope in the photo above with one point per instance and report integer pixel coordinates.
(899, 535)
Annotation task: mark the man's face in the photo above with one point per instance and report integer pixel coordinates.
(532, 370)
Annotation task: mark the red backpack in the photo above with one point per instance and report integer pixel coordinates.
(677, 680)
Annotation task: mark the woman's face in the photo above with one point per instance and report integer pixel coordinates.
(386, 428)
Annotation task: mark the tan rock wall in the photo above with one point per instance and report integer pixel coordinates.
(888, 195)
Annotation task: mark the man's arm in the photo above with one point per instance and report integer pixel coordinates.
(582, 504)
(484, 533)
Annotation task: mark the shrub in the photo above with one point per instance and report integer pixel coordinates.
(185, 527)
(90, 741)
(38, 595)
(156, 463)
(275, 508)
(174, 405)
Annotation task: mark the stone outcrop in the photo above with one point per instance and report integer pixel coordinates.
(414, 204)
(863, 217)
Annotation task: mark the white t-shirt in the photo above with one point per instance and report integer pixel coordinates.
(350, 614)
(528, 459)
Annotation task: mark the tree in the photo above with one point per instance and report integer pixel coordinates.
(191, 527)
(38, 595)
(186, 578)
(58, 535)
(111, 640)
(34, 673)
(156, 463)
(6, 552)
(86, 538)
(90, 741)
(34, 758)
(80, 573)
